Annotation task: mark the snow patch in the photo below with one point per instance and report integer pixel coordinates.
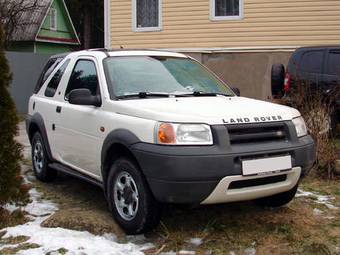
(183, 252)
(317, 212)
(250, 251)
(53, 239)
(195, 241)
(318, 198)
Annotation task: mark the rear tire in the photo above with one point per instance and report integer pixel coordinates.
(278, 199)
(40, 160)
(130, 199)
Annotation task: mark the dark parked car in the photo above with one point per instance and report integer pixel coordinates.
(316, 67)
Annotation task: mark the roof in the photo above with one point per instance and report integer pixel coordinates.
(33, 19)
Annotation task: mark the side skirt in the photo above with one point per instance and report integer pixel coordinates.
(67, 170)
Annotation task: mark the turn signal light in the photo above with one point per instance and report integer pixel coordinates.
(166, 134)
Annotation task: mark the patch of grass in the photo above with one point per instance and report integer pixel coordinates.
(61, 251)
(337, 143)
(14, 240)
(292, 229)
(8, 219)
(22, 117)
(20, 247)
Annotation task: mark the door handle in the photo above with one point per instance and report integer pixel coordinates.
(58, 110)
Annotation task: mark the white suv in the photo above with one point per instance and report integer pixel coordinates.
(153, 127)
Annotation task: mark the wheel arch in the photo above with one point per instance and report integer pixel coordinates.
(116, 144)
(37, 124)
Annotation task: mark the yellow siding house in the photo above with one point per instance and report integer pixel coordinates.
(225, 34)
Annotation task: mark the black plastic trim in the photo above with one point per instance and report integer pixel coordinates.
(67, 170)
(120, 136)
(38, 120)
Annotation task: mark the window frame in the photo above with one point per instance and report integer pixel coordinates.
(328, 64)
(73, 68)
(54, 19)
(213, 17)
(301, 66)
(146, 29)
(66, 63)
(51, 63)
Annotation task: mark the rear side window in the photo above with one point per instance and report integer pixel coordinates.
(312, 62)
(334, 63)
(48, 69)
(84, 76)
(54, 82)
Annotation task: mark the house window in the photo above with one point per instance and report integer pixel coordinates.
(53, 19)
(226, 9)
(147, 15)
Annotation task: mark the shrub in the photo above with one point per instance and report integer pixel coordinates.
(12, 189)
(317, 108)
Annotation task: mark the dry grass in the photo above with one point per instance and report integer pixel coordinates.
(8, 219)
(293, 229)
(20, 247)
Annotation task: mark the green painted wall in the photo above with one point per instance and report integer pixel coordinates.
(64, 27)
(51, 48)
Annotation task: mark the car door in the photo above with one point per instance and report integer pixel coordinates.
(48, 101)
(79, 128)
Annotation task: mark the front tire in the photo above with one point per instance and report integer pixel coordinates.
(278, 199)
(130, 199)
(40, 160)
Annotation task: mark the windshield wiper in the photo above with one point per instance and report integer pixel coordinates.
(144, 95)
(202, 94)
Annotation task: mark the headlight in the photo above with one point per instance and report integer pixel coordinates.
(300, 126)
(183, 134)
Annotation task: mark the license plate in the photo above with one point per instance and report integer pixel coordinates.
(265, 165)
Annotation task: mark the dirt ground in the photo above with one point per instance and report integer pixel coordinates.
(308, 225)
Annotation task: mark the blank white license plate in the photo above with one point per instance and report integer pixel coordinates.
(258, 166)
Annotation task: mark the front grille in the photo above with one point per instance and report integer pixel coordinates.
(254, 133)
(257, 182)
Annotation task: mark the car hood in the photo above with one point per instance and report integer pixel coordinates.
(210, 110)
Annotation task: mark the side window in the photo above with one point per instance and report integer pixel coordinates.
(147, 15)
(226, 9)
(334, 63)
(48, 69)
(54, 82)
(84, 76)
(312, 62)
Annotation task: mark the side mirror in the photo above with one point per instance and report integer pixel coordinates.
(236, 91)
(83, 97)
(277, 80)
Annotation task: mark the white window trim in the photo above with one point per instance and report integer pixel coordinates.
(146, 29)
(55, 19)
(219, 18)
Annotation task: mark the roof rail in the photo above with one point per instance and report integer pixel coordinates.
(122, 49)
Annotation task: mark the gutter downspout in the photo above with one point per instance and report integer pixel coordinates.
(107, 34)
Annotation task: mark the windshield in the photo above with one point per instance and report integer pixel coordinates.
(130, 75)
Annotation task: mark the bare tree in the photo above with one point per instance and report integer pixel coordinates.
(11, 16)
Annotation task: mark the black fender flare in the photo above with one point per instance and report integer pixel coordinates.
(38, 120)
(119, 136)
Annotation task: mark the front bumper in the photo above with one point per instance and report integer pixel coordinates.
(190, 174)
